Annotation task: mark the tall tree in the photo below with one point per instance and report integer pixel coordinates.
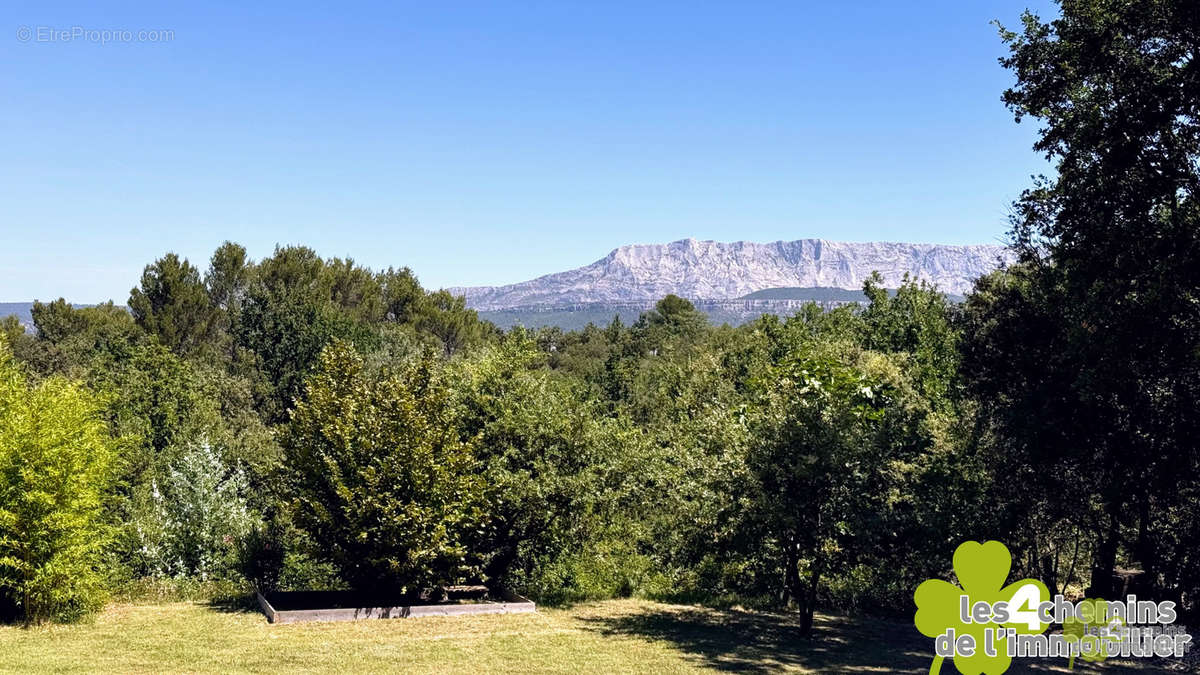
(403, 297)
(537, 449)
(673, 320)
(70, 340)
(918, 321)
(447, 317)
(228, 277)
(1111, 246)
(287, 319)
(354, 290)
(173, 303)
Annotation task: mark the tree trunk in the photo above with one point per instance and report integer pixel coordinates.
(1104, 559)
(810, 604)
(1145, 554)
(792, 584)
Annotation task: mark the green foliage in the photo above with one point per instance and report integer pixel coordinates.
(227, 280)
(14, 334)
(829, 457)
(833, 425)
(403, 296)
(1086, 358)
(607, 566)
(673, 319)
(276, 555)
(228, 277)
(381, 480)
(55, 460)
(69, 340)
(288, 317)
(446, 316)
(918, 321)
(197, 519)
(539, 452)
(688, 477)
(355, 291)
(156, 404)
(173, 304)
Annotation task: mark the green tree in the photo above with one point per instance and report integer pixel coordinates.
(1110, 247)
(355, 291)
(832, 428)
(403, 297)
(446, 316)
(20, 342)
(228, 277)
(692, 479)
(173, 304)
(55, 460)
(158, 406)
(673, 319)
(918, 321)
(381, 480)
(287, 319)
(70, 340)
(227, 281)
(538, 452)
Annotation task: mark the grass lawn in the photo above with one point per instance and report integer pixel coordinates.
(608, 637)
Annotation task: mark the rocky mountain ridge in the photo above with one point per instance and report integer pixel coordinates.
(711, 270)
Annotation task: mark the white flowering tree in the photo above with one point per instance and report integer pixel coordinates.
(200, 517)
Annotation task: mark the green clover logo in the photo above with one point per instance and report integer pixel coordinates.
(982, 570)
(1094, 629)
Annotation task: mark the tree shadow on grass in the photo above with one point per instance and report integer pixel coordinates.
(240, 603)
(762, 642)
(765, 642)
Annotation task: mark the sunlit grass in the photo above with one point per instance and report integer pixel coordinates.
(609, 637)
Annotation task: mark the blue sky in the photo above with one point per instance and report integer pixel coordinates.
(491, 142)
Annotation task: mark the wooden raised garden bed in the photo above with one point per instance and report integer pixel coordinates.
(297, 606)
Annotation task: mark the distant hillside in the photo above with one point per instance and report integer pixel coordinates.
(22, 310)
(820, 294)
(778, 301)
(814, 293)
(710, 270)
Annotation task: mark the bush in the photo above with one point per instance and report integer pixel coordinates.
(197, 518)
(541, 451)
(279, 557)
(604, 569)
(382, 483)
(56, 457)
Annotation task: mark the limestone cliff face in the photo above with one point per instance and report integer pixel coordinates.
(717, 271)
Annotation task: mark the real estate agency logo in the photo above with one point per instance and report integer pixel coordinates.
(983, 624)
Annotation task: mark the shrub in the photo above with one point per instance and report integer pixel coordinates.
(278, 556)
(197, 517)
(541, 452)
(381, 480)
(56, 458)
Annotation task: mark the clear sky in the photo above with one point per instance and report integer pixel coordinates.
(490, 142)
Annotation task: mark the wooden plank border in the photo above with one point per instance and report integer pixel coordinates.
(512, 604)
